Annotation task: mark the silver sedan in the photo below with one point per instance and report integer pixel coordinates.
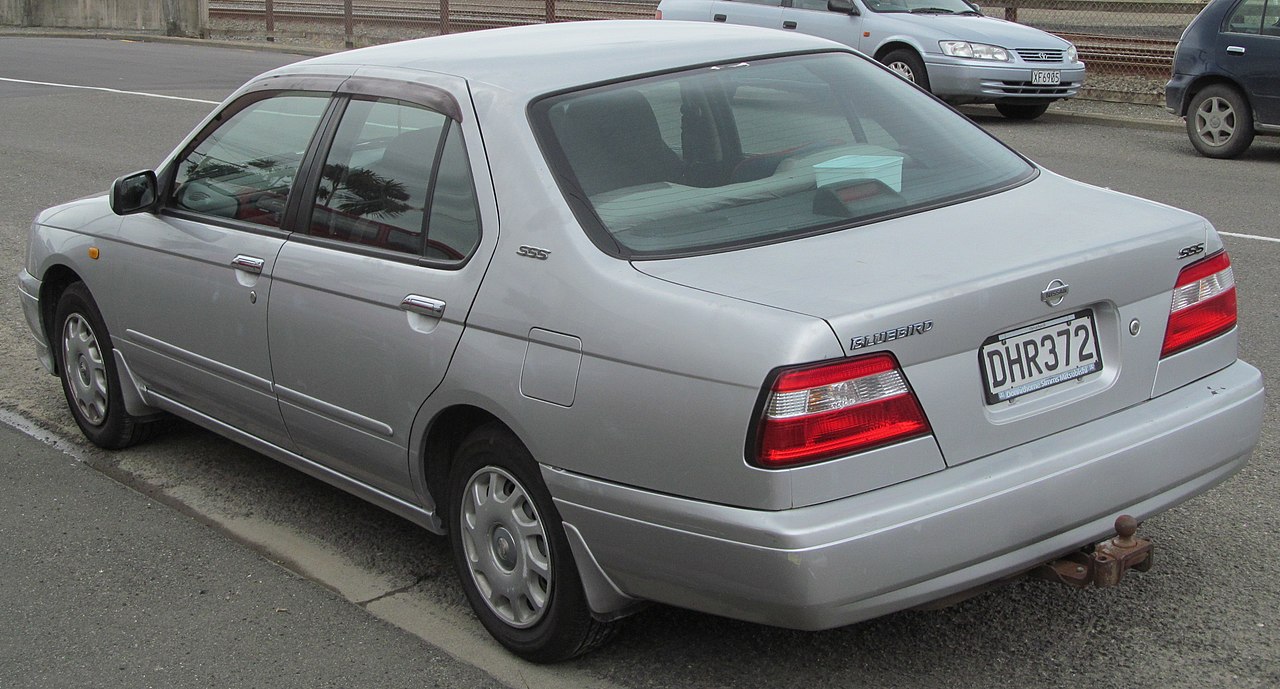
(716, 317)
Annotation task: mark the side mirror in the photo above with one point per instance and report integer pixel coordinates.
(134, 193)
(843, 7)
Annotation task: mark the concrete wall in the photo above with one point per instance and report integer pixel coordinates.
(170, 17)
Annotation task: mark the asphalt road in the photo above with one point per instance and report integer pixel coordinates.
(1207, 616)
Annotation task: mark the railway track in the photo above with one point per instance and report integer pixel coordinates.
(1110, 53)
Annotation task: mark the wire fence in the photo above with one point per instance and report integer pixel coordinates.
(1115, 37)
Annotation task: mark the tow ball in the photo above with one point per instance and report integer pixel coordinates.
(1104, 564)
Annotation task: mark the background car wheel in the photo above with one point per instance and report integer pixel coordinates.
(1220, 122)
(908, 64)
(511, 553)
(1022, 111)
(88, 372)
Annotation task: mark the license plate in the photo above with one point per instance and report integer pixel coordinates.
(1042, 77)
(1033, 358)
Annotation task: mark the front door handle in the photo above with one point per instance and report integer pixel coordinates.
(249, 264)
(788, 25)
(720, 18)
(1235, 50)
(426, 306)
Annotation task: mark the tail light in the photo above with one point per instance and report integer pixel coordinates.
(1204, 304)
(657, 14)
(830, 410)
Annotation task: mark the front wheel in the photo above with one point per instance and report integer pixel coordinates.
(908, 65)
(1022, 111)
(88, 371)
(1220, 122)
(512, 555)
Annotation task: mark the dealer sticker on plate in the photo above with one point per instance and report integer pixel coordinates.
(1038, 356)
(1041, 77)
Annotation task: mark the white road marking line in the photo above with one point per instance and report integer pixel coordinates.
(29, 427)
(1250, 236)
(109, 90)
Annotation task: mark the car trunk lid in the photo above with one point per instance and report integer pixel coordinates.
(935, 286)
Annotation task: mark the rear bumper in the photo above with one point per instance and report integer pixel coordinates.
(29, 295)
(963, 81)
(859, 557)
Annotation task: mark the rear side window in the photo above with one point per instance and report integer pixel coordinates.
(397, 178)
(1255, 17)
(735, 155)
(246, 167)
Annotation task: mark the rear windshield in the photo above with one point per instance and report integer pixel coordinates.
(742, 154)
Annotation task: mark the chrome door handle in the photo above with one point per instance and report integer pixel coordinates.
(426, 306)
(1235, 50)
(248, 264)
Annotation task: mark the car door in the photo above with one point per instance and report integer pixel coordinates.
(195, 306)
(766, 13)
(813, 18)
(372, 290)
(1249, 49)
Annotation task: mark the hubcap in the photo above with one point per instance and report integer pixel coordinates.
(1215, 121)
(87, 374)
(904, 70)
(505, 543)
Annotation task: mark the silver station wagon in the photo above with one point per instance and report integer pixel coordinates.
(718, 317)
(947, 47)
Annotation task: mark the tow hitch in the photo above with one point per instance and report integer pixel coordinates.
(1105, 563)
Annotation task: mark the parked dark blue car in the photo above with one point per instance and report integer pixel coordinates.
(1226, 76)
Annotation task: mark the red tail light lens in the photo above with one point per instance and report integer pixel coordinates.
(1204, 304)
(831, 410)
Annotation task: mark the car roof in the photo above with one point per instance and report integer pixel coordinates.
(543, 58)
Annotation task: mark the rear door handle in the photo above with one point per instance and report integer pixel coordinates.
(788, 25)
(1235, 50)
(249, 264)
(426, 306)
(720, 18)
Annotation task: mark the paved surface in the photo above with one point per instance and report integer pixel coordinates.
(105, 587)
(1207, 616)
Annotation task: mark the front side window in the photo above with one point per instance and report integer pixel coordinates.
(245, 169)
(747, 153)
(397, 178)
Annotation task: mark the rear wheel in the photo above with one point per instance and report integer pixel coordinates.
(1022, 111)
(88, 371)
(512, 555)
(1220, 122)
(908, 65)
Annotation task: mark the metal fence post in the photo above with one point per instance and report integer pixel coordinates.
(347, 22)
(551, 11)
(271, 21)
(444, 17)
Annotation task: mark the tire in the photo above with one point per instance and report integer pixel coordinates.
(1220, 122)
(88, 372)
(1022, 111)
(511, 553)
(908, 65)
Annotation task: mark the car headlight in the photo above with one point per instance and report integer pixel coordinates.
(1072, 55)
(977, 51)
